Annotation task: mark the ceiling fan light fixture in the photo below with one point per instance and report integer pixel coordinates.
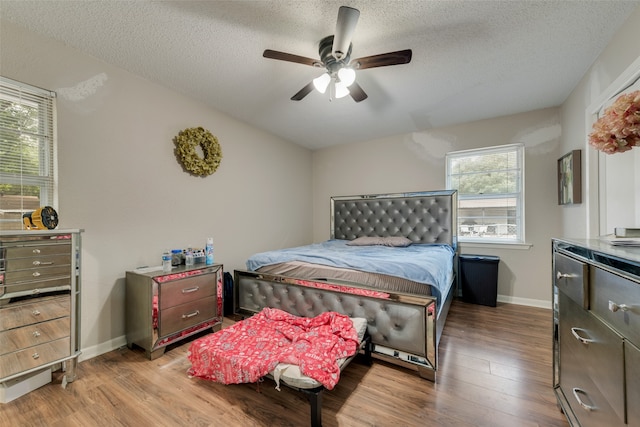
(321, 83)
(341, 90)
(347, 76)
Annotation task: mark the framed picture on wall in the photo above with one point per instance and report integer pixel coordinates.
(569, 178)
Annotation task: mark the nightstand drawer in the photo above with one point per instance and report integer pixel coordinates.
(183, 316)
(39, 333)
(33, 357)
(185, 290)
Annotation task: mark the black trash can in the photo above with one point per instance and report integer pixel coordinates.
(479, 278)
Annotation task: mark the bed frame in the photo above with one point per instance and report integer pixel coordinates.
(405, 328)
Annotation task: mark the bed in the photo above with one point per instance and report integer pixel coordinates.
(404, 292)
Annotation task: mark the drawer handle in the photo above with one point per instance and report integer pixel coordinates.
(35, 313)
(195, 313)
(35, 274)
(613, 307)
(574, 331)
(189, 290)
(35, 355)
(36, 251)
(36, 334)
(36, 263)
(576, 392)
(564, 275)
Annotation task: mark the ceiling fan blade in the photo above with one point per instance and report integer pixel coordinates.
(289, 57)
(382, 60)
(357, 93)
(345, 26)
(303, 92)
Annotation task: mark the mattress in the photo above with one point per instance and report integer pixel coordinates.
(420, 269)
(306, 270)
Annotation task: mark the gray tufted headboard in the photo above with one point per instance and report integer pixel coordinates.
(423, 217)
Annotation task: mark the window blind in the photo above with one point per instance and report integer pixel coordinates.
(28, 176)
(490, 184)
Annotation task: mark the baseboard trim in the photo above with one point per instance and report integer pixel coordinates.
(104, 347)
(540, 303)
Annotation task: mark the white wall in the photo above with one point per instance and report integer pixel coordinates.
(582, 220)
(415, 162)
(119, 179)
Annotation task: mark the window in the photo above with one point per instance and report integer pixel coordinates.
(27, 151)
(490, 184)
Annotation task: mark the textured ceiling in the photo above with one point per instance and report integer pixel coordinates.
(471, 59)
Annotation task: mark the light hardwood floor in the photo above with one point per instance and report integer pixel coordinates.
(495, 370)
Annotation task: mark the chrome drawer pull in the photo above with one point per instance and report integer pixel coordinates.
(35, 274)
(36, 334)
(577, 390)
(564, 275)
(36, 251)
(36, 263)
(574, 331)
(615, 307)
(195, 313)
(35, 355)
(35, 313)
(189, 290)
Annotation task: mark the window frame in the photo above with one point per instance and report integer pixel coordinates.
(47, 178)
(518, 195)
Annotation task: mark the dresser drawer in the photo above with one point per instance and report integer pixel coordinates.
(590, 354)
(39, 333)
(183, 316)
(571, 277)
(632, 363)
(184, 290)
(42, 261)
(36, 274)
(37, 250)
(608, 294)
(42, 309)
(37, 287)
(33, 357)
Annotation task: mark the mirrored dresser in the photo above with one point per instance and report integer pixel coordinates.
(596, 289)
(39, 304)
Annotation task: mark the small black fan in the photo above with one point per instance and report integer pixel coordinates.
(335, 57)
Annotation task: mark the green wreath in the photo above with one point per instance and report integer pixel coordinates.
(186, 143)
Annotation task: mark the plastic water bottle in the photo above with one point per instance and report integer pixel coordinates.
(166, 261)
(209, 252)
(188, 257)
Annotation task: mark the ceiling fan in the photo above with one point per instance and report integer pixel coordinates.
(335, 57)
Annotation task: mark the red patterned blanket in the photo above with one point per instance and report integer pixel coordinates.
(250, 349)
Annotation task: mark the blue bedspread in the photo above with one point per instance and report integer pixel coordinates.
(429, 264)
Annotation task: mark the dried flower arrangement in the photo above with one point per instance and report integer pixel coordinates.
(618, 130)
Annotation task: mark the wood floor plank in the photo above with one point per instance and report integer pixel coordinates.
(495, 370)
